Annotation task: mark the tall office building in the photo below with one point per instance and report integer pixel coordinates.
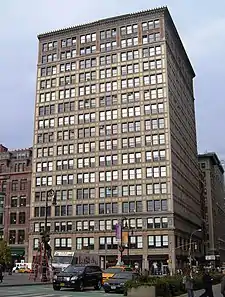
(213, 173)
(115, 138)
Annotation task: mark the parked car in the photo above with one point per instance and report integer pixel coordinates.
(78, 277)
(117, 282)
(111, 271)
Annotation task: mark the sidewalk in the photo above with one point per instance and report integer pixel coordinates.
(216, 291)
(19, 280)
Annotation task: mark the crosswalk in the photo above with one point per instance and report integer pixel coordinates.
(40, 291)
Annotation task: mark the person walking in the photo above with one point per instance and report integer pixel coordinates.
(189, 284)
(223, 284)
(1, 273)
(207, 283)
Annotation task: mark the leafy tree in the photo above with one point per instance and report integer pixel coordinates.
(5, 253)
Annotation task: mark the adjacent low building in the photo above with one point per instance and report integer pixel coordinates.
(213, 173)
(2, 198)
(15, 184)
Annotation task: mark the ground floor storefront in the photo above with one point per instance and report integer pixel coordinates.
(17, 254)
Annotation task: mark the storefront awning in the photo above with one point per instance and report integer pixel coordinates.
(17, 252)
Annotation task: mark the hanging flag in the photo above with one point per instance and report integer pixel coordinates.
(125, 238)
(118, 232)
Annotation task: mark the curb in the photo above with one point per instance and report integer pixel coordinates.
(24, 285)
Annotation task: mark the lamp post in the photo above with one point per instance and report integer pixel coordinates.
(190, 243)
(121, 246)
(45, 235)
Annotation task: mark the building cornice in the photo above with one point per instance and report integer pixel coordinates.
(214, 158)
(105, 21)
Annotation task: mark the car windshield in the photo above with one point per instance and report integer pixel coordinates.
(62, 260)
(113, 270)
(123, 276)
(74, 269)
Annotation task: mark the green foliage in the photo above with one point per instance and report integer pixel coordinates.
(169, 286)
(5, 253)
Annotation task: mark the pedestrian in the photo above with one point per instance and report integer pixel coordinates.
(207, 283)
(189, 284)
(1, 273)
(223, 284)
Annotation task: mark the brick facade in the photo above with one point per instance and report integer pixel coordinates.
(15, 183)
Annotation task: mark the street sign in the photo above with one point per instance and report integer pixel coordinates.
(210, 257)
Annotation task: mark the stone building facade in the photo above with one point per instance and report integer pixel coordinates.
(213, 173)
(115, 138)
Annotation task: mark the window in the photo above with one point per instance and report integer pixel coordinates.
(108, 243)
(131, 111)
(63, 227)
(64, 210)
(131, 142)
(12, 237)
(21, 236)
(62, 243)
(35, 243)
(132, 190)
(126, 30)
(108, 208)
(110, 33)
(108, 192)
(131, 127)
(153, 24)
(86, 177)
(23, 184)
(151, 51)
(14, 201)
(85, 209)
(130, 55)
(108, 175)
(131, 158)
(85, 243)
(132, 206)
(22, 217)
(149, 38)
(157, 205)
(108, 145)
(136, 242)
(13, 218)
(14, 185)
(108, 100)
(158, 241)
(129, 174)
(85, 225)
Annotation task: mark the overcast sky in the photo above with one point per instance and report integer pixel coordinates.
(201, 25)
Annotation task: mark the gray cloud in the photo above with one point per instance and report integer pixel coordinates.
(200, 27)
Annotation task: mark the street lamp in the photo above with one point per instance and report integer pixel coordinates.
(45, 236)
(121, 246)
(190, 243)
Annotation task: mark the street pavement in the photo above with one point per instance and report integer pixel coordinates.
(17, 280)
(21, 286)
(216, 291)
(47, 291)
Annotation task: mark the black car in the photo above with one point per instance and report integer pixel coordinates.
(117, 282)
(78, 277)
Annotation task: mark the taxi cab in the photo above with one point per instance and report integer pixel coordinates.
(111, 271)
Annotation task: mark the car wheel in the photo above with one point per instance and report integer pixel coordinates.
(98, 286)
(81, 286)
(107, 291)
(56, 288)
(125, 293)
